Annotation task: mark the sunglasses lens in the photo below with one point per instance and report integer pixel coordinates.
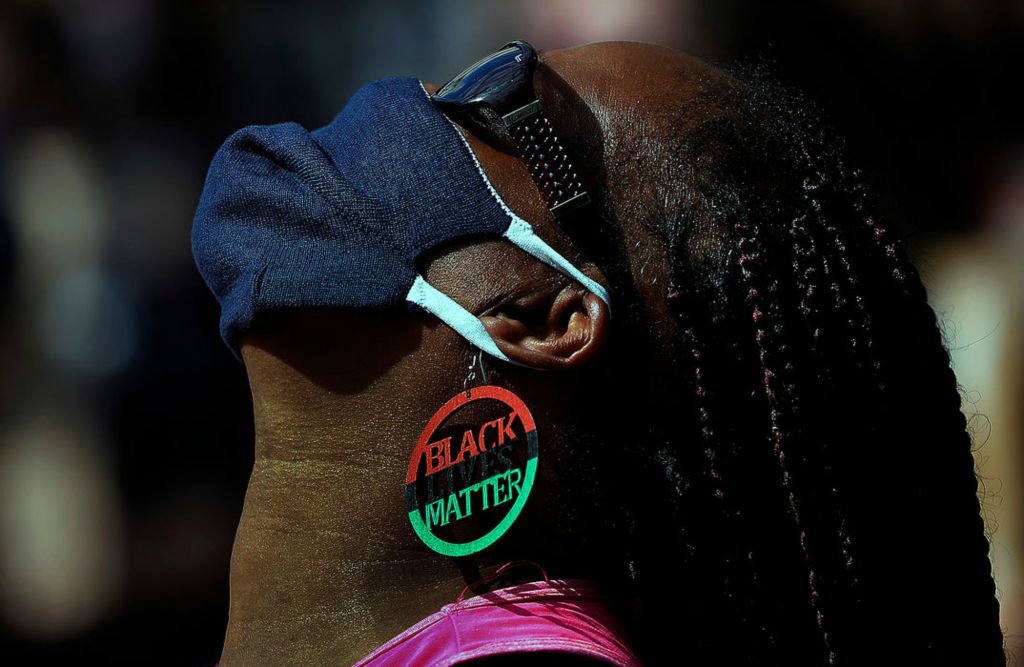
(501, 80)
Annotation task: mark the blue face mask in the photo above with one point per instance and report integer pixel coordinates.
(337, 217)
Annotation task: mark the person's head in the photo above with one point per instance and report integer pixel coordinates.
(759, 445)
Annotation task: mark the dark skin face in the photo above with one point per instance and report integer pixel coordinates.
(325, 566)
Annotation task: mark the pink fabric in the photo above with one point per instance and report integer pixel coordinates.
(558, 615)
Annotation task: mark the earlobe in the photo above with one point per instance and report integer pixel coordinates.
(560, 331)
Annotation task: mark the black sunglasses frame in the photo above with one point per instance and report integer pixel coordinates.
(502, 84)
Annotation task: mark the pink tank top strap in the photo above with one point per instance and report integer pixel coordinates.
(567, 616)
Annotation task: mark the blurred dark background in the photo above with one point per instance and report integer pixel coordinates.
(125, 434)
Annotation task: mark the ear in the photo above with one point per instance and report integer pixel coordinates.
(550, 330)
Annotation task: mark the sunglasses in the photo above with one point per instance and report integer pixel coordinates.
(498, 90)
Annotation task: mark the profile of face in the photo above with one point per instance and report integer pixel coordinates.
(713, 451)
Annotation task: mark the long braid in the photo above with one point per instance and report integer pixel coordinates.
(809, 275)
(710, 437)
(767, 325)
(849, 303)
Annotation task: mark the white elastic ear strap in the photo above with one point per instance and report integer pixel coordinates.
(522, 235)
(464, 322)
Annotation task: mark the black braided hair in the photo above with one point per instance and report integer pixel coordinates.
(810, 498)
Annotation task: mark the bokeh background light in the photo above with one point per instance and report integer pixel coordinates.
(125, 435)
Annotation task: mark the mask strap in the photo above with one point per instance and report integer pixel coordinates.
(467, 325)
(521, 234)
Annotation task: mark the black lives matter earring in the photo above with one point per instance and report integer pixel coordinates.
(472, 468)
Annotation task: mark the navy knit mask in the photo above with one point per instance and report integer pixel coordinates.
(336, 217)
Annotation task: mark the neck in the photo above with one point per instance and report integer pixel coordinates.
(325, 566)
(319, 574)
